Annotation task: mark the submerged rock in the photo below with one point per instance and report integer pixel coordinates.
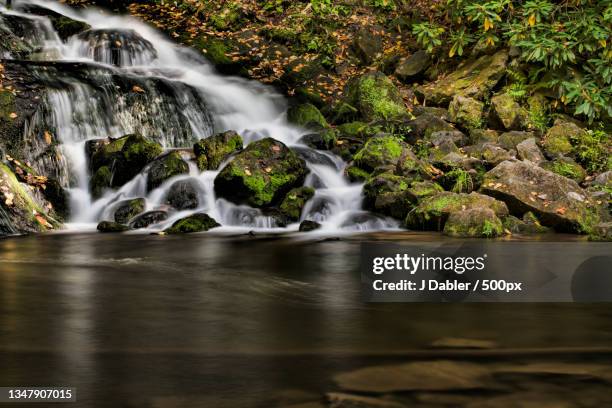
(261, 174)
(109, 226)
(198, 222)
(148, 218)
(183, 195)
(528, 225)
(294, 202)
(213, 150)
(375, 97)
(474, 223)
(128, 209)
(307, 226)
(165, 167)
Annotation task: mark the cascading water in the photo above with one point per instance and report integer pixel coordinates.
(110, 81)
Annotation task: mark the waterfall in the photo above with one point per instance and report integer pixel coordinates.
(123, 77)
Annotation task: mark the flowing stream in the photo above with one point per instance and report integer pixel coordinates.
(91, 96)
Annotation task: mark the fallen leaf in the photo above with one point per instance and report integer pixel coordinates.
(137, 89)
(13, 115)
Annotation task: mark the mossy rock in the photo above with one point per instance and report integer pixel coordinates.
(213, 150)
(479, 136)
(217, 51)
(306, 115)
(473, 79)
(65, 26)
(507, 114)
(413, 67)
(198, 222)
(424, 189)
(474, 223)
(566, 167)
(510, 140)
(301, 70)
(100, 181)
(380, 151)
(433, 212)
(307, 226)
(355, 174)
(425, 125)
(148, 218)
(294, 202)
(558, 139)
(323, 140)
(466, 112)
(529, 224)
(164, 168)
(183, 195)
(261, 174)
(389, 194)
(109, 226)
(128, 209)
(376, 97)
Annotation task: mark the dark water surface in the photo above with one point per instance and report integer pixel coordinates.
(132, 320)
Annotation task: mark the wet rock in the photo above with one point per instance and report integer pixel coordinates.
(165, 167)
(462, 343)
(218, 50)
(213, 150)
(433, 212)
(426, 375)
(566, 167)
(261, 174)
(314, 157)
(341, 400)
(307, 226)
(109, 226)
(183, 195)
(367, 45)
(375, 97)
(128, 209)
(66, 27)
(558, 139)
(198, 222)
(528, 225)
(413, 67)
(473, 79)
(325, 139)
(380, 151)
(466, 112)
(294, 202)
(506, 113)
(556, 200)
(389, 194)
(529, 150)
(148, 218)
(306, 115)
(118, 47)
(473, 223)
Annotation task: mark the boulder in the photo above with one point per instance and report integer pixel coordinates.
(324, 139)
(109, 226)
(556, 200)
(128, 209)
(65, 26)
(601, 232)
(413, 67)
(183, 195)
(473, 79)
(510, 140)
(294, 202)
(506, 113)
(493, 154)
(375, 97)
(455, 136)
(466, 112)
(435, 111)
(167, 166)
(198, 222)
(479, 136)
(367, 45)
(433, 212)
(528, 225)
(148, 218)
(389, 194)
(306, 115)
(604, 179)
(529, 150)
(424, 189)
(261, 174)
(307, 226)
(214, 150)
(425, 125)
(474, 223)
(558, 139)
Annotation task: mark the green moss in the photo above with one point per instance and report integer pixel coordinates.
(354, 173)
(194, 223)
(424, 189)
(306, 115)
(100, 181)
(212, 151)
(567, 168)
(379, 151)
(466, 112)
(109, 226)
(379, 99)
(7, 105)
(294, 202)
(593, 149)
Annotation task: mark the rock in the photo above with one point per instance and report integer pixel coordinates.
(473, 79)
(423, 375)
(558, 139)
(148, 218)
(425, 125)
(461, 343)
(217, 51)
(322, 140)
(528, 225)
(529, 150)
(602, 232)
(424, 189)
(375, 97)
(556, 200)
(466, 112)
(435, 111)
(109, 226)
(119, 47)
(306, 115)
(126, 156)
(198, 222)
(510, 140)
(128, 209)
(214, 150)
(183, 195)
(524, 399)
(493, 154)
(314, 156)
(167, 166)
(300, 70)
(380, 151)
(413, 67)
(261, 174)
(455, 136)
(389, 194)
(341, 400)
(566, 167)
(307, 226)
(474, 223)
(367, 46)
(480, 136)
(66, 27)
(604, 179)
(294, 202)
(433, 212)
(506, 113)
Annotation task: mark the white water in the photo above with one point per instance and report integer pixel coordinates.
(81, 112)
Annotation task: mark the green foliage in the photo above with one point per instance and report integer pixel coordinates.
(593, 150)
(386, 5)
(463, 182)
(567, 44)
(328, 8)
